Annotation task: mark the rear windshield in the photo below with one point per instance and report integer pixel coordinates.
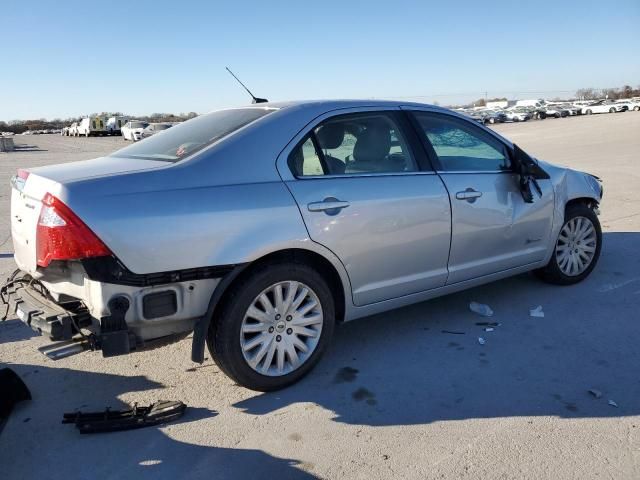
(177, 142)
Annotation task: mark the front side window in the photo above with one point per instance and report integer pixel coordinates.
(461, 146)
(189, 137)
(353, 144)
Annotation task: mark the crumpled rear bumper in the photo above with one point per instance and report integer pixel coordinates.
(29, 301)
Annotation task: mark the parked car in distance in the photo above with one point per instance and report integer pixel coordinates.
(572, 110)
(154, 128)
(133, 129)
(252, 228)
(493, 116)
(603, 106)
(630, 104)
(518, 114)
(555, 111)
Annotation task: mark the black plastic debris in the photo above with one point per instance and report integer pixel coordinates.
(488, 324)
(453, 332)
(109, 420)
(12, 391)
(595, 393)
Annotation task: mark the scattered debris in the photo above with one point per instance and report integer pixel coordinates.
(489, 329)
(12, 391)
(481, 309)
(536, 312)
(136, 417)
(595, 393)
(453, 332)
(612, 403)
(481, 341)
(488, 324)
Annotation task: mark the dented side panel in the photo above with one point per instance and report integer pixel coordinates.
(568, 185)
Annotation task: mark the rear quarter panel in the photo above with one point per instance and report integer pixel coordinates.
(173, 229)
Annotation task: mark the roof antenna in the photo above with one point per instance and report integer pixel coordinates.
(255, 99)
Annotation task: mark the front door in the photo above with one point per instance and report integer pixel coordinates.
(363, 195)
(494, 229)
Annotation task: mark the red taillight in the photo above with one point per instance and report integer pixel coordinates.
(23, 174)
(61, 235)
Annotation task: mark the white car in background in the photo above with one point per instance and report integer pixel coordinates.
(518, 114)
(132, 130)
(603, 106)
(630, 104)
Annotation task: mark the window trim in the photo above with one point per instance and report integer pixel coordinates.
(433, 156)
(401, 120)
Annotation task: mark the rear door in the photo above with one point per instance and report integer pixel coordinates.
(368, 196)
(493, 228)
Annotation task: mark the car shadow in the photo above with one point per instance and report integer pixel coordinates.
(400, 368)
(14, 330)
(34, 443)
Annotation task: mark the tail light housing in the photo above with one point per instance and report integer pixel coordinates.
(61, 235)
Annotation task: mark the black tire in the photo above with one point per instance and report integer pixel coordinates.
(223, 339)
(635, 109)
(612, 110)
(588, 112)
(552, 273)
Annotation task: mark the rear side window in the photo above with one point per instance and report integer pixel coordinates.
(177, 142)
(353, 144)
(462, 146)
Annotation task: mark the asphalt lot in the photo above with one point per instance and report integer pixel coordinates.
(394, 397)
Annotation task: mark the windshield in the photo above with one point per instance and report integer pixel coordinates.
(177, 142)
(139, 124)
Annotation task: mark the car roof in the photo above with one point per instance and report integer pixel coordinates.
(329, 105)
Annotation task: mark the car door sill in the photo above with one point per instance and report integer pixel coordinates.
(354, 312)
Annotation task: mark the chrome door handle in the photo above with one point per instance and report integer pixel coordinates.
(330, 206)
(469, 195)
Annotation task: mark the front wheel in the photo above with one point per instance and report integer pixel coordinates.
(588, 112)
(273, 326)
(612, 110)
(577, 247)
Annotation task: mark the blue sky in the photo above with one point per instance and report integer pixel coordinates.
(71, 58)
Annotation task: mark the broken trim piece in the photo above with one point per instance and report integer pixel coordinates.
(116, 420)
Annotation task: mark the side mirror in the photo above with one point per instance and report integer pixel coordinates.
(529, 171)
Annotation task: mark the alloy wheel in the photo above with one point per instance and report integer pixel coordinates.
(576, 246)
(281, 328)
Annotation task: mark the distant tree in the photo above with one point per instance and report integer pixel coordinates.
(587, 94)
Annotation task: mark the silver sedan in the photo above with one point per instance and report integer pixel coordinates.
(260, 228)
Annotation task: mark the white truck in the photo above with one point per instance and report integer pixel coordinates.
(114, 125)
(531, 103)
(89, 126)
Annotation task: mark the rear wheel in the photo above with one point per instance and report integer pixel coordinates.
(635, 109)
(612, 110)
(577, 247)
(588, 112)
(273, 326)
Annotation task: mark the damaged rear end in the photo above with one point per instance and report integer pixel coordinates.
(70, 286)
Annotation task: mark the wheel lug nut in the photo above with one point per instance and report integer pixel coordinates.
(289, 331)
(270, 329)
(289, 317)
(278, 338)
(278, 317)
